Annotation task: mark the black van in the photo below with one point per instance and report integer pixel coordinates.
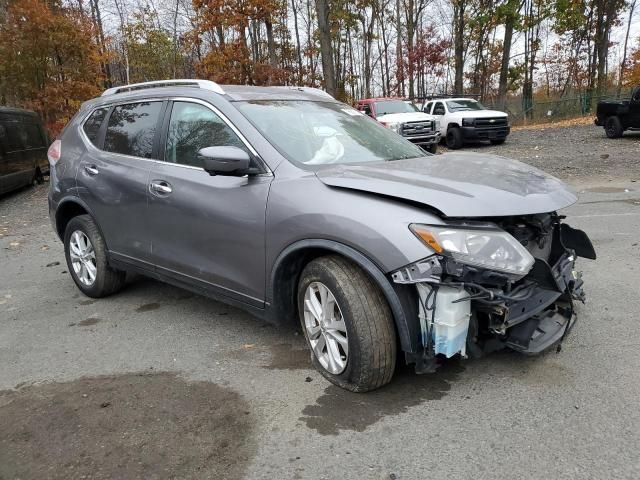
(23, 149)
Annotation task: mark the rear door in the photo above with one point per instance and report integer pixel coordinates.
(207, 230)
(439, 111)
(114, 173)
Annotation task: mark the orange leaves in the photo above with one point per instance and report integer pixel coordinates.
(49, 60)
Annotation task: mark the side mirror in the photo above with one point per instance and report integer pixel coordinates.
(232, 161)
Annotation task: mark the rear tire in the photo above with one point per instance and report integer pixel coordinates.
(38, 178)
(613, 127)
(370, 360)
(88, 266)
(454, 138)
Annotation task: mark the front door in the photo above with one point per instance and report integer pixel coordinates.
(439, 112)
(205, 229)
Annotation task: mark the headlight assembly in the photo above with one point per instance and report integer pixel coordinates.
(468, 122)
(395, 126)
(493, 249)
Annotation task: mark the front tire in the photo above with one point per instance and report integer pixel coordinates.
(86, 256)
(498, 141)
(347, 324)
(454, 138)
(613, 127)
(433, 148)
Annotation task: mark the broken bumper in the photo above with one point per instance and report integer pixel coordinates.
(454, 297)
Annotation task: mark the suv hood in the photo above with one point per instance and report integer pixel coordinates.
(404, 117)
(457, 184)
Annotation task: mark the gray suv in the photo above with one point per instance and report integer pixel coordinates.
(287, 203)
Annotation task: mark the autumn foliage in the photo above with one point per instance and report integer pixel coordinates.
(49, 62)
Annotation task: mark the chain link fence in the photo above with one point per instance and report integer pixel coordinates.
(555, 109)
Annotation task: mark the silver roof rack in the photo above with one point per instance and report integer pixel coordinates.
(204, 84)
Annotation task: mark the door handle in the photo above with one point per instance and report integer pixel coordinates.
(91, 169)
(161, 187)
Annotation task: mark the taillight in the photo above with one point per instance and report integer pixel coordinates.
(54, 152)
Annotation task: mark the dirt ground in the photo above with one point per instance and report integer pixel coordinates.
(146, 425)
(156, 382)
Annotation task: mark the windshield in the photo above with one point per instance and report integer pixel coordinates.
(462, 105)
(393, 106)
(319, 133)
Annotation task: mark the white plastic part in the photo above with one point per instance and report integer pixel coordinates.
(204, 84)
(450, 321)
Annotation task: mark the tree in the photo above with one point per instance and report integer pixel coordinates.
(459, 22)
(326, 47)
(50, 61)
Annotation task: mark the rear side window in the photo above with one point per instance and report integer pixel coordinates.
(192, 127)
(132, 128)
(14, 142)
(31, 136)
(92, 125)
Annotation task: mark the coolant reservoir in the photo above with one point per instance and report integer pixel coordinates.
(451, 320)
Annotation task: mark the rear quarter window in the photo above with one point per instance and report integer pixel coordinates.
(131, 129)
(92, 124)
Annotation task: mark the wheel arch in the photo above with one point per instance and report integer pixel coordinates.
(69, 208)
(285, 274)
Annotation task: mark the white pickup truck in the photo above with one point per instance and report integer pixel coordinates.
(405, 119)
(467, 120)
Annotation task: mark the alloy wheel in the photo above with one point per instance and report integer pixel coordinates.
(325, 328)
(83, 258)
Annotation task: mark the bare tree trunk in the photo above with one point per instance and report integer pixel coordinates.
(175, 40)
(125, 50)
(297, 31)
(458, 44)
(399, 52)
(326, 48)
(624, 54)
(504, 66)
(271, 48)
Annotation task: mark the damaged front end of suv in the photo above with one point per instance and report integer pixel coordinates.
(494, 283)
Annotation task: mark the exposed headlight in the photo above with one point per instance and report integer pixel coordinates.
(395, 126)
(468, 122)
(437, 124)
(493, 249)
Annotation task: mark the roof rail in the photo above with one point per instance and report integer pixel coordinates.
(204, 84)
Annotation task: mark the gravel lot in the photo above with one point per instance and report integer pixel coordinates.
(158, 383)
(578, 154)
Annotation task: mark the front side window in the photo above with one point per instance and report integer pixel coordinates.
(427, 108)
(193, 127)
(92, 125)
(438, 109)
(320, 133)
(132, 128)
